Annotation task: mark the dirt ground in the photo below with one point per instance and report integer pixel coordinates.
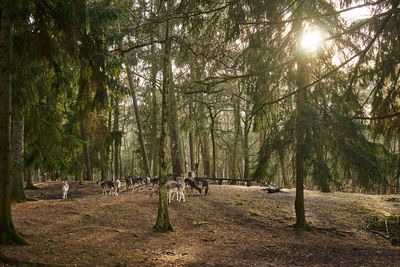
(233, 226)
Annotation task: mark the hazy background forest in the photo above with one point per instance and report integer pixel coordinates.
(295, 93)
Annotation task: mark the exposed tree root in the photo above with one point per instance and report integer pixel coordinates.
(12, 236)
(388, 228)
(302, 227)
(20, 199)
(164, 227)
(331, 230)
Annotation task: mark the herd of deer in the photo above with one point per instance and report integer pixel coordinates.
(176, 184)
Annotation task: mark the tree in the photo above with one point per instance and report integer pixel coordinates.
(8, 233)
(174, 133)
(17, 147)
(117, 139)
(163, 223)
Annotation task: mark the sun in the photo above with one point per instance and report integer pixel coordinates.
(311, 40)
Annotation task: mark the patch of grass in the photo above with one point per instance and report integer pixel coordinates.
(363, 208)
(393, 199)
(89, 216)
(238, 203)
(198, 224)
(208, 239)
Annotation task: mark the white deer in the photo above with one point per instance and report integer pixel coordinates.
(65, 189)
(178, 188)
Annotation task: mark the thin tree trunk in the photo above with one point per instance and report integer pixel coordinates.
(121, 171)
(102, 159)
(246, 152)
(300, 136)
(17, 147)
(154, 111)
(214, 151)
(117, 140)
(236, 152)
(112, 161)
(8, 234)
(109, 149)
(83, 102)
(137, 115)
(206, 155)
(191, 139)
(174, 135)
(132, 172)
(163, 222)
(138, 122)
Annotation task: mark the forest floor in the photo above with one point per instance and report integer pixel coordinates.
(233, 226)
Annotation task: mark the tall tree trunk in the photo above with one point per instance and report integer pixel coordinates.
(300, 134)
(138, 122)
(246, 150)
(8, 234)
(121, 171)
(236, 152)
(84, 91)
(17, 147)
(102, 159)
(191, 139)
(163, 222)
(154, 111)
(83, 102)
(137, 114)
(109, 148)
(214, 151)
(117, 140)
(206, 155)
(132, 172)
(174, 135)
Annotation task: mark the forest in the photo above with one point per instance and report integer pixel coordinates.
(287, 112)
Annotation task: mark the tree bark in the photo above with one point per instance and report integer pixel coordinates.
(28, 179)
(132, 172)
(85, 150)
(285, 179)
(174, 135)
(8, 234)
(17, 147)
(109, 148)
(246, 150)
(163, 222)
(117, 140)
(300, 134)
(206, 155)
(236, 152)
(154, 111)
(191, 139)
(138, 122)
(214, 149)
(83, 100)
(102, 159)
